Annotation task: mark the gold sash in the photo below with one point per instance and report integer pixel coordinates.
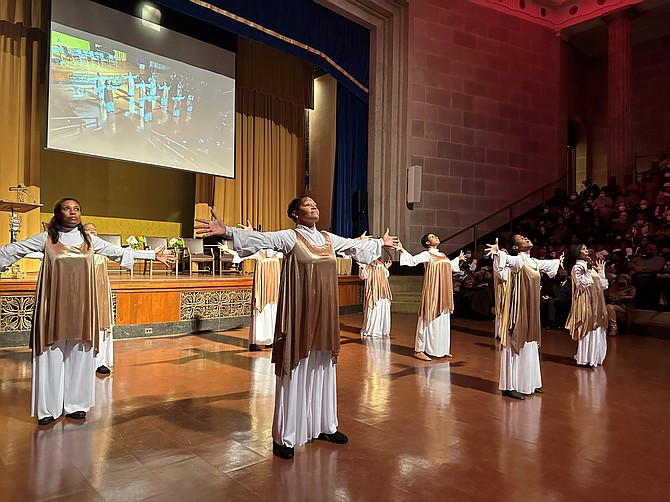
(104, 291)
(437, 295)
(376, 284)
(308, 315)
(588, 310)
(266, 281)
(520, 322)
(66, 300)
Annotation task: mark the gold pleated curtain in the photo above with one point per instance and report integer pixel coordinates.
(273, 90)
(23, 46)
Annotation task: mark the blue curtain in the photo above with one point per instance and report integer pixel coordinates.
(351, 166)
(344, 42)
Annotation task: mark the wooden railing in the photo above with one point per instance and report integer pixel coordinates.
(503, 216)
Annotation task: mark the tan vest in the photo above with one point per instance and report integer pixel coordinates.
(308, 310)
(266, 281)
(520, 321)
(588, 310)
(66, 300)
(376, 284)
(437, 295)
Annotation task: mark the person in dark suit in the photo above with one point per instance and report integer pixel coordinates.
(556, 300)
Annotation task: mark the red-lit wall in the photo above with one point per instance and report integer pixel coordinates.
(484, 111)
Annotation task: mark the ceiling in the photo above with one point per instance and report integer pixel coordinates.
(582, 23)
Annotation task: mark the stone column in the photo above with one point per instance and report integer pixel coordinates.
(620, 133)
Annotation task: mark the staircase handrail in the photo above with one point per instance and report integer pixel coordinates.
(509, 207)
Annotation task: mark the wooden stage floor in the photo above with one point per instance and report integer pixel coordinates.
(189, 417)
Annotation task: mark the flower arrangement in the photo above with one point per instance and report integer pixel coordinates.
(176, 243)
(135, 241)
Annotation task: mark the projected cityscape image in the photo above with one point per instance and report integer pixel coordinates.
(112, 100)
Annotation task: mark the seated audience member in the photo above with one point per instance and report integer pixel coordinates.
(627, 199)
(617, 296)
(645, 268)
(604, 205)
(640, 228)
(620, 226)
(556, 299)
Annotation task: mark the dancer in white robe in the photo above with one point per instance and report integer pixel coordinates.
(588, 319)
(307, 335)
(521, 330)
(64, 333)
(433, 329)
(377, 299)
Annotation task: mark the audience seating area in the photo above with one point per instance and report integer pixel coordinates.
(626, 224)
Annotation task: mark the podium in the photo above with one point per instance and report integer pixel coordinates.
(14, 208)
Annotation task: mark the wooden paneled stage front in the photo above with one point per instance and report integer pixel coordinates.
(159, 305)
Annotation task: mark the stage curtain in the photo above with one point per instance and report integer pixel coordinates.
(351, 161)
(23, 48)
(269, 138)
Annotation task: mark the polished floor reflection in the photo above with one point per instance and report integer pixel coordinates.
(189, 417)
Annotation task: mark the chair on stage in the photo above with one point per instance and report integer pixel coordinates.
(227, 258)
(154, 243)
(194, 252)
(115, 239)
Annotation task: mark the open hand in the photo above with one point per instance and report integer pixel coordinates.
(215, 226)
(245, 227)
(165, 256)
(492, 249)
(390, 240)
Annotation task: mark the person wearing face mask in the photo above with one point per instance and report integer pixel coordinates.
(640, 228)
(521, 329)
(433, 329)
(574, 203)
(604, 206)
(646, 208)
(65, 327)
(307, 332)
(587, 320)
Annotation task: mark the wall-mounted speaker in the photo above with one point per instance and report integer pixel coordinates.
(414, 184)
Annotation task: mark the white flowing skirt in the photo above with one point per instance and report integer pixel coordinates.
(377, 321)
(520, 372)
(306, 402)
(105, 355)
(262, 325)
(592, 349)
(434, 338)
(63, 379)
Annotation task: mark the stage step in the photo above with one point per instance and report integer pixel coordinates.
(651, 323)
(406, 291)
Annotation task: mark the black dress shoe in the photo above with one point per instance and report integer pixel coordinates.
(45, 420)
(282, 451)
(586, 366)
(254, 347)
(103, 370)
(336, 437)
(77, 415)
(269, 346)
(513, 394)
(539, 391)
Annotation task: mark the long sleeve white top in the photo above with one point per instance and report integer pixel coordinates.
(248, 242)
(407, 260)
(582, 278)
(503, 260)
(71, 237)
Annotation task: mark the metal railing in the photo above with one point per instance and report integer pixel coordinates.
(504, 216)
